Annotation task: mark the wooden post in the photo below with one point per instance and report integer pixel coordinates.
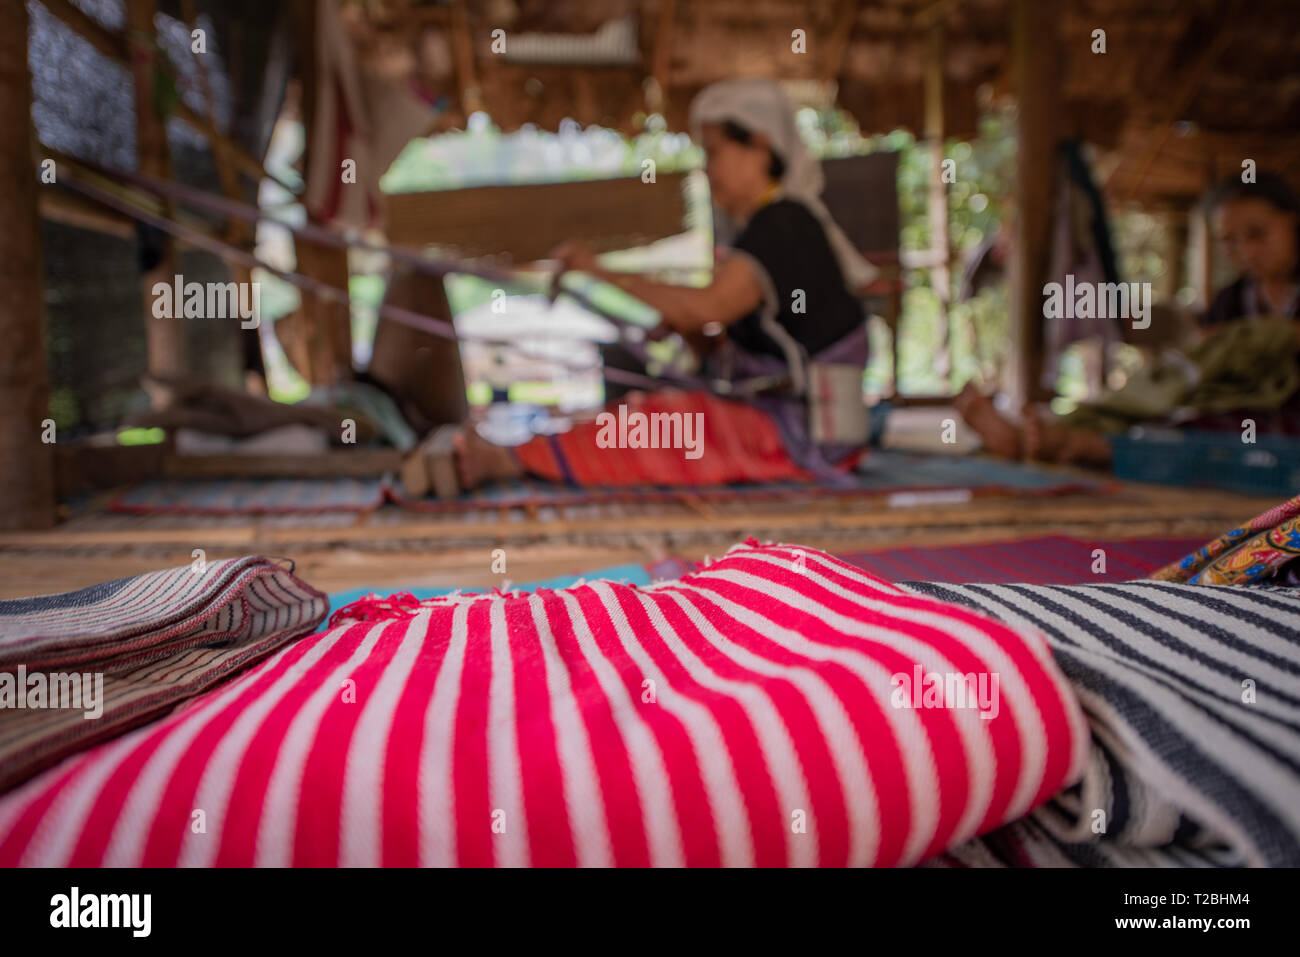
(238, 232)
(1036, 62)
(656, 88)
(940, 275)
(324, 326)
(846, 14)
(327, 324)
(424, 370)
(164, 341)
(1176, 222)
(302, 15)
(1200, 256)
(26, 463)
(462, 50)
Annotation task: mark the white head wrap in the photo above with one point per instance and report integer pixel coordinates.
(760, 106)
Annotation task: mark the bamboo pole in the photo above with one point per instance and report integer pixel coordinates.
(1200, 256)
(26, 463)
(846, 14)
(164, 340)
(1036, 63)
(323, 325)
(656, 89)
(75, 211)
(940, 272)
(462, 48)
(238, 233)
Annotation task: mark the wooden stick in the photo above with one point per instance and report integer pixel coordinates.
(227, 174)
(61, 207)
(334, 463)
(107, 42)
(462, 48)
(937, 194)
(846, 14)
(67, 202)
(164, 340)
(656, 94)
(1036, 58)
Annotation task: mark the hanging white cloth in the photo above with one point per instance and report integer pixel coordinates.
(360, 117)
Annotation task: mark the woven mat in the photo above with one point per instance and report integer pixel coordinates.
(1053, 560)
(267, 496)
(883, 472)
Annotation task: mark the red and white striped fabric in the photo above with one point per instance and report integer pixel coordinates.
(739, 443)
(743, 715)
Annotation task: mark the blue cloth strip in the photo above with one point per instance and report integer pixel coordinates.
(631, 574)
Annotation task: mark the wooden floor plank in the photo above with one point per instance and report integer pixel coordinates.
(393, 549)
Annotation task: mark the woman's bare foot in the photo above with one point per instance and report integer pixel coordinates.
(1001, 436)
(1048, 441)
(479, 461)
(1043, 438)
(1085, 448)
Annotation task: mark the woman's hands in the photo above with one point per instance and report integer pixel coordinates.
(575, 255)
(686, 310)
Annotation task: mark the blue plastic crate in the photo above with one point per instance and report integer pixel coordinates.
(1269, 466)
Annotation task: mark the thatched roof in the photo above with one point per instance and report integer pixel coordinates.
(1183, 87)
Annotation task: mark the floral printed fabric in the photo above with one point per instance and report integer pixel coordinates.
(1253, 552)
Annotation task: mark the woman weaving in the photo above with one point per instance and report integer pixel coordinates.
(1246, 363)
(783, 293)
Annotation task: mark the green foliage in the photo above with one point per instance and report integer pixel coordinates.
(983, 171)
(279, 298)
(365, 290)
(1140, 240)
(141, 437)
(64, 408)
(484, 155)
(982, 176)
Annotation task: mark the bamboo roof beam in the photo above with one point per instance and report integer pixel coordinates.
(837, 43)
(1036, 59)
(937, 192)
(661, 58)
(1188, 85)
(462, 47)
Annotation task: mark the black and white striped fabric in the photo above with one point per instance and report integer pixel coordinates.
(127, 651)
(1193, 695)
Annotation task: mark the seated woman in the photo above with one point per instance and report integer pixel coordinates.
(785, 292)
(1238, 369)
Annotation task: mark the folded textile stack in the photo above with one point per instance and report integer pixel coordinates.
(776, 707)
(84, 666)
(1193, 696)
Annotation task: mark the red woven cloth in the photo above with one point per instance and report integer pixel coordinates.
(748, 713)
(1050, 560)
(739, 444)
